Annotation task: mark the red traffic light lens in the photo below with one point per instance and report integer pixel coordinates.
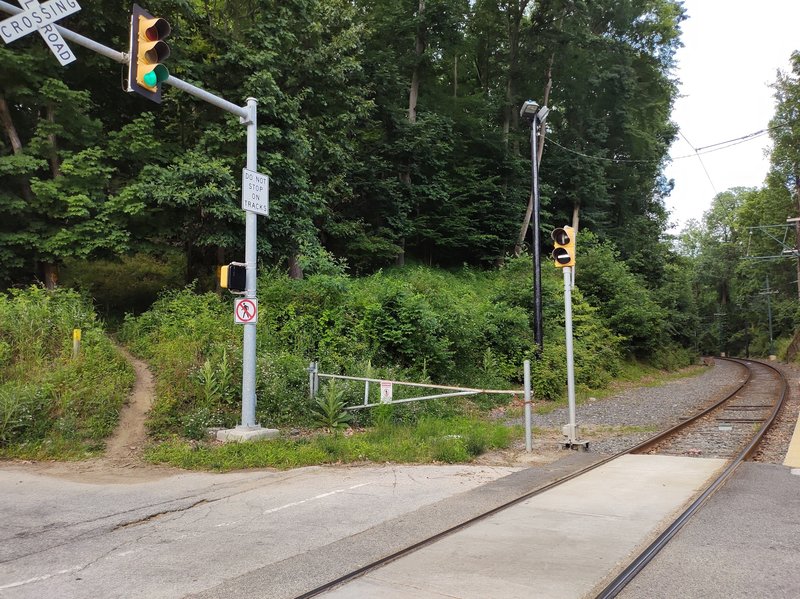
(560, 236)
(158, 30)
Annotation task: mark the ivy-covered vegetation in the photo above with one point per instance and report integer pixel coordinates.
(51, 404)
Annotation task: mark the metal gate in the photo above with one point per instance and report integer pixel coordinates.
(387, 392)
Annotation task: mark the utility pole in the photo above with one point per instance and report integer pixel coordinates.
(796, 222)
(768, 293)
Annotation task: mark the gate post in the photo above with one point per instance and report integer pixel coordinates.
(527, 387)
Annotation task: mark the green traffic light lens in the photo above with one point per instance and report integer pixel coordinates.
(150, 79)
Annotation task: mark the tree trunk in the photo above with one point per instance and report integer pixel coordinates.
(419, 49)
(8, 126)
(455, 77)
(413, 95)
(511, 116)
(295, 270)
(16, 144)
(576, 216)
(50, 274)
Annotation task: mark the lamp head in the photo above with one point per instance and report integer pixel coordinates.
(529, 109)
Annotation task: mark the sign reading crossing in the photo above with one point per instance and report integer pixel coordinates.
(245, 310)
(255, 192)
(40, 17)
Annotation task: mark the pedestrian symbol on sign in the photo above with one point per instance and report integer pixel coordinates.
(245, 311)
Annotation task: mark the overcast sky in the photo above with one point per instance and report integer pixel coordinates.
(732, 52)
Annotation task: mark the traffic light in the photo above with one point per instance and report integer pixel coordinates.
(233, 277)
(147, 51)
(564, 251)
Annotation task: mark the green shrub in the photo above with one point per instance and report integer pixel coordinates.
(329, 412)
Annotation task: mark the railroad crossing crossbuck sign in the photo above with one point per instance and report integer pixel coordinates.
(41, 17)
(245, 310)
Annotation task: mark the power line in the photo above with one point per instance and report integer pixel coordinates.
(722, 145)
(714, 187)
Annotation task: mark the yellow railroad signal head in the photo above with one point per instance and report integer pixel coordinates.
(564, 250)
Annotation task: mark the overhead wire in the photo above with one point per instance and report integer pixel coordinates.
(703, 164)
(715, 147)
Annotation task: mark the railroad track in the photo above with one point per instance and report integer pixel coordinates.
(729, 429)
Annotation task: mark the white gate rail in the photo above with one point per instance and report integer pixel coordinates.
(315, 375)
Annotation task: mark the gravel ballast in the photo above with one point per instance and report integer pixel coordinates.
(620, 421)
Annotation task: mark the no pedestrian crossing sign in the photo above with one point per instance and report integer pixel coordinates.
(255, 192)
(245, 310)
(41, 18)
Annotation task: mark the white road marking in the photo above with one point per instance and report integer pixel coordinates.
(39, 578)
(321, 496)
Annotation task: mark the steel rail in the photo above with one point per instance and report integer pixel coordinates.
(644, 558)
(440, 535)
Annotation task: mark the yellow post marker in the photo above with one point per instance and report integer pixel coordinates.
(76, 343)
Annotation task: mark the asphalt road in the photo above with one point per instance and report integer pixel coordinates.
(191, 532)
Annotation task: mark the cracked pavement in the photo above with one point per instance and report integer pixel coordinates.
(197, 533)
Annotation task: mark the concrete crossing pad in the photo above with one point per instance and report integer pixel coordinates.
(560, 544)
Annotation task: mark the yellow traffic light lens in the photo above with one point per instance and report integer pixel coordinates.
(561, 256)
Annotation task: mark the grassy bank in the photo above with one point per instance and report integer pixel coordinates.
(428, 440)
(51, 404)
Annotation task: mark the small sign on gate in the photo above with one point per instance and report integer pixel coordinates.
(386, 391)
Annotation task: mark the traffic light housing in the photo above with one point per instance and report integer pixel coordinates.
(564, 251)
(147, 51)
(233, 277)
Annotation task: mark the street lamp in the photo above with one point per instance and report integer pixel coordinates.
(536, 114)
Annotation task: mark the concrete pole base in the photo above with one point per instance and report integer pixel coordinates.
(242, 434)
(576, 445)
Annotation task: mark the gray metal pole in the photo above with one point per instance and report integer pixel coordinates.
(536, 242)
(250, 258)
(570, 357)
(527, 381)
(769, 317)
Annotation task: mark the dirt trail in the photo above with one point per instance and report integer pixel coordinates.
(122, 462)
(131, 434)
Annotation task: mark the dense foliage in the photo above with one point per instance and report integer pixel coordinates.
(390, 131)
(52, 404)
